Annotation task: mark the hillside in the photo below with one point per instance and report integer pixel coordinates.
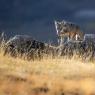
(46, 77)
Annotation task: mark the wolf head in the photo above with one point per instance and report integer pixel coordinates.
(60, 26)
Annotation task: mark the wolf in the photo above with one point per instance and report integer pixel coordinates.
(24, 44)
(68, 30)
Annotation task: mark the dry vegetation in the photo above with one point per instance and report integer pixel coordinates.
(48, 76)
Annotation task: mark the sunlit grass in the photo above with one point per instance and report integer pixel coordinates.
(51, 76)
(48, 76)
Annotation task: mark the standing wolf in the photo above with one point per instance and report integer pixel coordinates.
(68, 30)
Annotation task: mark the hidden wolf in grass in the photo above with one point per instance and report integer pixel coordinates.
(24, 45)
(68, 30)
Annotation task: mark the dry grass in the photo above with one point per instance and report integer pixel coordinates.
(49, 76)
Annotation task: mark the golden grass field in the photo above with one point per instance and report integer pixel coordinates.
(58, 76)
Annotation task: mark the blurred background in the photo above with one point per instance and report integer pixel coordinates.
(36, 17)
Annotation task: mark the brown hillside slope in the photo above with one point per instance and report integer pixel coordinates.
(46, 77)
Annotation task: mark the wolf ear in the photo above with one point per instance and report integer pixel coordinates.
(63, 21)
(56, 25)
(55, 22)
